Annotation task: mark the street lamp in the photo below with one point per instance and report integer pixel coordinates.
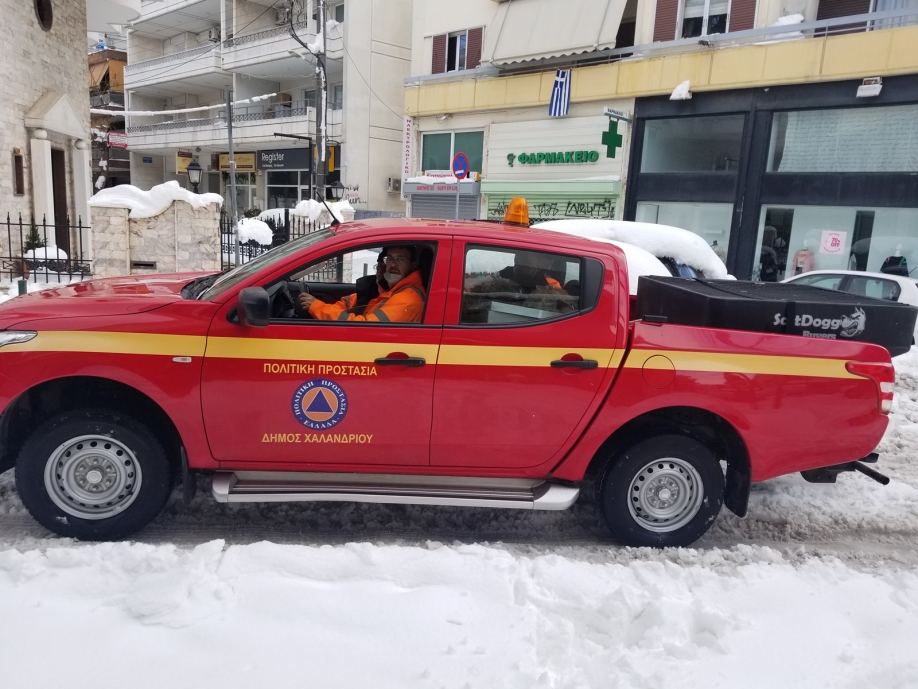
(337, 191)
(195, 172)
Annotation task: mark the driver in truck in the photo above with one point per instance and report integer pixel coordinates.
(402, 302)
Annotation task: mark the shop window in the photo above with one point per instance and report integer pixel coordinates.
(704, 17)
(875, 139)
(799, 239)
(437, 150)
(505, 286)
(337, 97)
(245, 190)
(710, 221)
(693, 144)
(286, 188)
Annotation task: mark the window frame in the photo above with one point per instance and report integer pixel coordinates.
(336, 90)
(18, 174)
(706, 13)
(458, 36)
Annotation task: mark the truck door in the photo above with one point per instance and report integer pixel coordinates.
(526, 347)
(329, 392)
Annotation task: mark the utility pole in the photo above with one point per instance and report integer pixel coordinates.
(232, 172)
(322, 87)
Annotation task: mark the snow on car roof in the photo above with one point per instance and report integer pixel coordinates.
(661, 241)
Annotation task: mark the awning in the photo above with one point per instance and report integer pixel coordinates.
(537, 29)
(97, 73)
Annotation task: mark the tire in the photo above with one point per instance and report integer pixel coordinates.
(93, 474)
(661, 492)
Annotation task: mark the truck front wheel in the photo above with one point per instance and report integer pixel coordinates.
(661, 492)
(93, 475)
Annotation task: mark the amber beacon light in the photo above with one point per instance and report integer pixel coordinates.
(517, 212)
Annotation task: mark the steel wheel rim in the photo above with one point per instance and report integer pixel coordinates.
(92, 477)
(665, 494)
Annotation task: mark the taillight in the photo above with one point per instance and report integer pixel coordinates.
(882, 375)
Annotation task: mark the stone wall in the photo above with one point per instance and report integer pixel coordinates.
(180, 239)
(35, 62)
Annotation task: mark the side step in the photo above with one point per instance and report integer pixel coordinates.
(270, 486)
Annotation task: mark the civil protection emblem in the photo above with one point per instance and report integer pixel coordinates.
(319, 404)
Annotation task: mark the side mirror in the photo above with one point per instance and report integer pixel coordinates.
(254, 307)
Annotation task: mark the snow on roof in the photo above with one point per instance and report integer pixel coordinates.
(148, 204)
(662, 241)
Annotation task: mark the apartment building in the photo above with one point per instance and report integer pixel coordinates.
(782, 131)
(182, 54)
(111, 163)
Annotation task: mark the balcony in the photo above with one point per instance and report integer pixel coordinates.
(268, 52)
(199, 67)
(251, 124)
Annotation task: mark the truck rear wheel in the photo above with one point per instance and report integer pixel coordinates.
(93, 475)
(661, 492)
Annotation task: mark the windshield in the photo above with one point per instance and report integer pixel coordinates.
(279, 253)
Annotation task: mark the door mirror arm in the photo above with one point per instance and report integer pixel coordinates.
(254, 307)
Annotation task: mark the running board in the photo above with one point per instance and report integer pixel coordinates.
(265, 486)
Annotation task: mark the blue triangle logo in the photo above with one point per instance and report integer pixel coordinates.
(319, 404)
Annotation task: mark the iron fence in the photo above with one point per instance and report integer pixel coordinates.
(50, 253)
(284, 227)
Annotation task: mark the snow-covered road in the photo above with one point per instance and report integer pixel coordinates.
(817, 587)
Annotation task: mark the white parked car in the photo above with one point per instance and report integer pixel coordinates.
(877, 285)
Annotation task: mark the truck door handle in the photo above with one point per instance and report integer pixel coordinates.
(581, 363)
(399, 359)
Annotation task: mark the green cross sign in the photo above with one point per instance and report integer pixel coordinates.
(612, 139)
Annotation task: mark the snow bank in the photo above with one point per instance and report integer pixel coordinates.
(252, 228)
(662, 241)
(46, 253)
(147, 204)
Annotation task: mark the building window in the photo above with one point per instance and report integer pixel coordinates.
(456, 51)
(286, 188)
(693, 144)
(876, 139)
(45, 13)
(336, 12)
(337, 97)
(704, 17)
(456, 48)
(310, 98)
(18, 175)
(245, 190)
(437, 150)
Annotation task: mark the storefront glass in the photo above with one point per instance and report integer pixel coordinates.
(286, 188)
(883, 139)
(710, 221)
(245, 190)
(693, 144)
(797, 239)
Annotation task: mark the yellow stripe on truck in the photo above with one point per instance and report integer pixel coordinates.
(474, 355)
(313, 350)
(750, 364)
(100, 342)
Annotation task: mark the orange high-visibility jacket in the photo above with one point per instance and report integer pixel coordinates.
(403, 303)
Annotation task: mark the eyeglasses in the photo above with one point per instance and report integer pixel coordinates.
(398, 260)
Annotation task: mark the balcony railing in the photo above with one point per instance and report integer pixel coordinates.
(172, 57)
(261, 35)
(249, 113)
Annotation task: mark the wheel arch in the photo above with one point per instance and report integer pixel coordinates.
(708, 428)
(44, 400)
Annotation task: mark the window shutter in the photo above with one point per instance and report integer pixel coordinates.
(664, 25)
(742, 15)
(438, 65)
(832, 9)
(473, 57)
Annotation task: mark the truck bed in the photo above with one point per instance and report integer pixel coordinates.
(781, 308)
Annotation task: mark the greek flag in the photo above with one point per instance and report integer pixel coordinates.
(560, 101)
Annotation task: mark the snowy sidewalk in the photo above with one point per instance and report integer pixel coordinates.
(817, 587)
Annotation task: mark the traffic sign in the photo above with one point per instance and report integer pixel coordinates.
(461, 165)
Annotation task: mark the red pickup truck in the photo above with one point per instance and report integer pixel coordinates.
(522, 380)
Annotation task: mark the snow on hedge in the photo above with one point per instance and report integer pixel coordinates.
(662, 241)
(148, 204)
(252, 228)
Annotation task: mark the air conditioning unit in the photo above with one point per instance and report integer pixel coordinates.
(282, 15)
(212, 35)
(394, 185)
